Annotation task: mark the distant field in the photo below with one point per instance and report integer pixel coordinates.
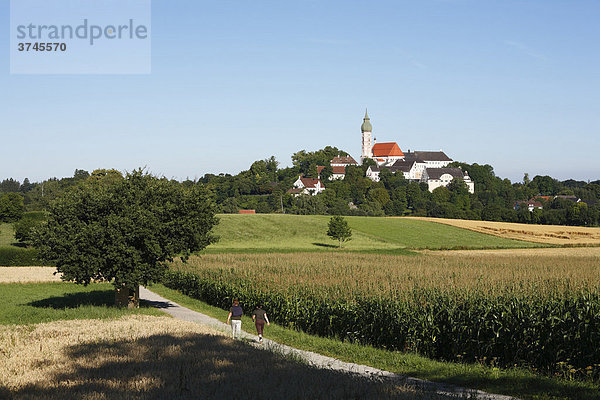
(273, 232)
(28, 274)
(547, 234)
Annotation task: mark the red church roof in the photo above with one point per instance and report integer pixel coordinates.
(387, 150)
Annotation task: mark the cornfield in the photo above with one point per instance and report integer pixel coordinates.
(537, 312)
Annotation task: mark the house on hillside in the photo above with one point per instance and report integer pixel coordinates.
(530, 204)
(338, 165)
(438, 177)
(309, 186)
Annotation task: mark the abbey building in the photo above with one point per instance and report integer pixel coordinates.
(419, 166)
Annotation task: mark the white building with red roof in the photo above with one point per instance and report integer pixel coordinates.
(338, 166)
(309, 186)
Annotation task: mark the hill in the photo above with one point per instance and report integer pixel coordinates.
(291, 233)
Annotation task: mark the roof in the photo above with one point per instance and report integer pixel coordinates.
(320, 168)
(366, 125)
(344, 160)
(295, 191)
(403, 165)
(428, 155)
(399, 165)
(436, 173)
(387, 150)
(339, 170)
(310, 182)
(574, 199)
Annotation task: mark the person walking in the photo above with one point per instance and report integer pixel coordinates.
(259, 316)
(235, 314)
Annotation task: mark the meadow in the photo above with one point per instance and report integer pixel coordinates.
(293, 233)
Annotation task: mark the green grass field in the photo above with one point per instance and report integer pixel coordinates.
(7, 235)
(33, 303)
(291, 233)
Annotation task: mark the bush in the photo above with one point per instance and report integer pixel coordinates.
(18, 257)
(25, 228)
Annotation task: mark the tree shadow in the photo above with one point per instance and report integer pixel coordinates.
(99, 298)
(330, 246)
(197, 366)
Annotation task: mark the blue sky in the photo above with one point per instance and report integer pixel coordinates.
(514, 84)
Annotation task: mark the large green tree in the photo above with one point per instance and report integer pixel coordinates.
(125, 229)
(11, 207)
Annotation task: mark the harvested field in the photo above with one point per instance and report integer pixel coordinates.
(142, 357)
(28, 274)
(547, 234)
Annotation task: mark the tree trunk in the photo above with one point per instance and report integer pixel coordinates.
(125, 297)
(340, 243)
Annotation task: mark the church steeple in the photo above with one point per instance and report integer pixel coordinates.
(366, 125)
(367, 144)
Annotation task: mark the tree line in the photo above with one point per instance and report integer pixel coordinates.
(263, 187)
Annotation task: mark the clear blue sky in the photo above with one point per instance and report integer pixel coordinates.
(514, 84)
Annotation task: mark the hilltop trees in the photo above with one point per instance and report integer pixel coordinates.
(11, 207)
(124, 228)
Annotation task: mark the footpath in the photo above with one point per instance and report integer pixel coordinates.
(315, 359)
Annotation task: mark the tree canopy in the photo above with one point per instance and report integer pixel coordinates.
(124, 228)
(339, 229)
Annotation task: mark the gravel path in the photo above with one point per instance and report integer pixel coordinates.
(319, 360)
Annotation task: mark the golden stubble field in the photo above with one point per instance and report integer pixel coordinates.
(547, 234)
(28, 274)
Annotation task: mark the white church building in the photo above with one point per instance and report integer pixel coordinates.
(416, 166)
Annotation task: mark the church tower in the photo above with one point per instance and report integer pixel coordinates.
(367, 144)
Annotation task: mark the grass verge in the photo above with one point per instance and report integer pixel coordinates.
(33, 303)
(515, 382)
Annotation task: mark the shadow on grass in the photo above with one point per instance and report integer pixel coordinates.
(196, 366)
(329, 246)
(98, 298)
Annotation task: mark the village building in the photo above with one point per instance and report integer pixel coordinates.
(536, 201)
(308, 186)
(531, 205)
(338, 165)
(438, 177)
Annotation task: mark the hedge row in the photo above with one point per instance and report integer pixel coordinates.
(553, 333)
(18, 256)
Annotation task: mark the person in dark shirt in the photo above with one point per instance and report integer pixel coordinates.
(259, 316)
(235, 314)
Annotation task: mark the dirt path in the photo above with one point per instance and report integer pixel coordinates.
(315, 359)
